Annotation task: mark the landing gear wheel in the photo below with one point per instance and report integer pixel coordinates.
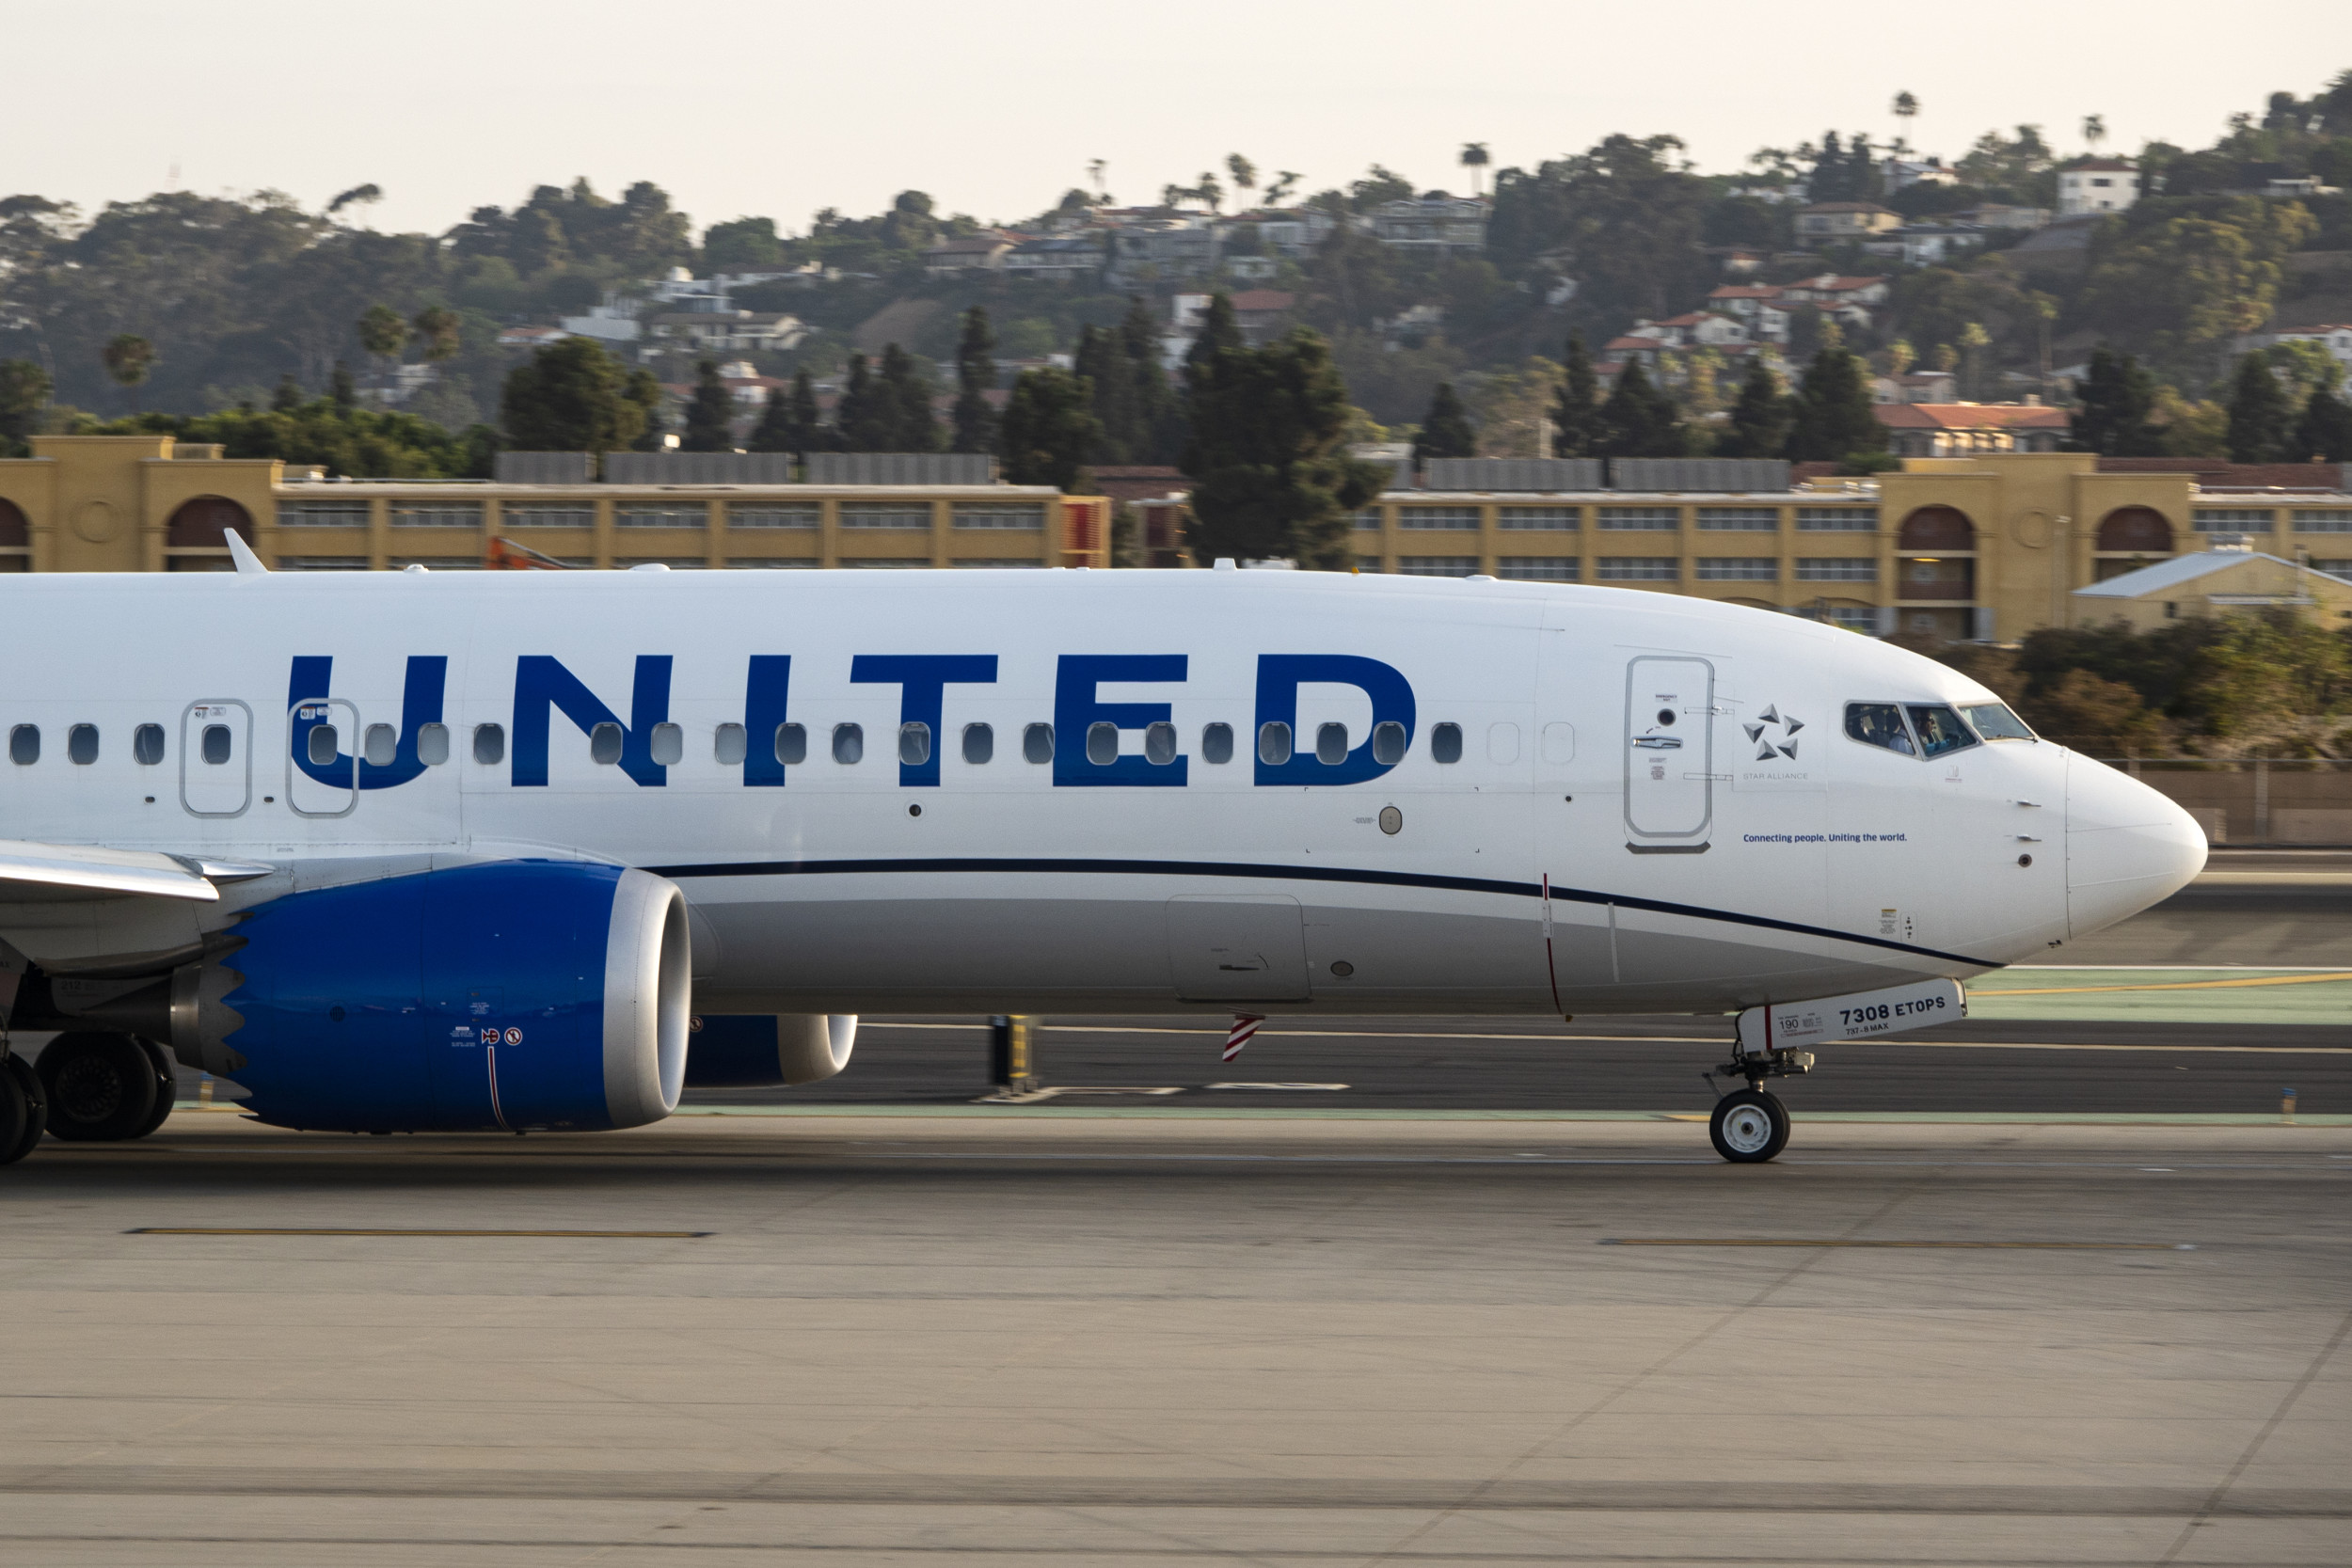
(167, 1085)
(23, 1109)
(1749, 1126)
(101, 1087)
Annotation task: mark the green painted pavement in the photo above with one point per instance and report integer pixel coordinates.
(2249, 996)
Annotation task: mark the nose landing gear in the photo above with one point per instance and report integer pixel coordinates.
(1751, 1125)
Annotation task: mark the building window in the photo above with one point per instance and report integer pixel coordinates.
(1537, 568)
(321, 564)
(1739, 519)
(1639, 568)
(1368, 520)
(2334, 568)
(1016, 515)
(1837, 568)
(661, 516)
(2229, 519)
(1738, 568)
(1554, 518)
(785, 564)
(898, 515)
(1851, 617)
(436, 515)
(896, 562)
(2316, 521)
(1837, 519)
(775, 516)
(984, 564)
(1460, 517)
(1641, 519)
(1436, 566)
(437, 562)
(547, 516)
(322, 514)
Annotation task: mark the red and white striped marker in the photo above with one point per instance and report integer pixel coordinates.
(1244, 1025)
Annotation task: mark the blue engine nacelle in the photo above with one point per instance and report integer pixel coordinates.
(509, 995)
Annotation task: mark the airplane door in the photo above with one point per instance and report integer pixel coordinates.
(322, 779)
(1237, 949)
(1669, 753)
(216, 758)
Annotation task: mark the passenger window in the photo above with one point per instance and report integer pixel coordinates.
(1216, 743)
(489, 744)
(1502, 743)
(382, 745)
(848, 743)
(1331, 745)
(81, 745)
(914, 744)
(325, 741)
(24, 745)
(1274, 743)
(1940, 730)
(1102, 744)
(666, 745)
(604, 744)
(1159, 744)
(214, 748)
(433, 744)
(1388, 743)
(728, 746)
(1995, 722)
(791, 744)
(1445, 743)
(1037, 743)
(979, 744)
(147, 745)
(1879, 724)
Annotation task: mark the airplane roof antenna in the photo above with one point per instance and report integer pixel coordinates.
(242, 553)
(1224, 564)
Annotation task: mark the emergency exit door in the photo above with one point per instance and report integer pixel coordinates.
(216, 758)
(1669, 753)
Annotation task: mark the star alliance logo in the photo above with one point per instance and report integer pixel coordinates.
(1767, 749)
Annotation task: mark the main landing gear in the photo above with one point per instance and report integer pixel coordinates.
(1751, 1125)
(24, 1108)
(105, 1088)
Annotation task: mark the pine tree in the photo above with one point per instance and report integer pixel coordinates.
(1101, 362)
(777, 429)
(1048, 429)
(710, 414)
(2118, 397)
(342, 388)
(976, 372)
(906, 393)
(1267, 452)
(1833, 417)
(1220, 331)
(571, 396)
(1759, 421)
(808, 419)
(1159, 431)
(2260, 418)
(1576, 412)
(289, 395)
(1639, 419)
(863, 417)
(1445, 429)
(2324, 434)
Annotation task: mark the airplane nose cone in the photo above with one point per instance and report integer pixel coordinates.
(2127, 846)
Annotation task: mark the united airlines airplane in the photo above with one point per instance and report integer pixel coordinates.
(446, 852)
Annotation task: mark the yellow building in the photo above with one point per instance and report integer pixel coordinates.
(138, 503)
(2216, 582)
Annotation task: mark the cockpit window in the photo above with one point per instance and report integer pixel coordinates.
(1940, 730)
(1996, 723)
(1879, 724)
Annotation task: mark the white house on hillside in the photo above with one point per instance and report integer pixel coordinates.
(2097, 185)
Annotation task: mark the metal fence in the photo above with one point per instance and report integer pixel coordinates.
(2256, 801)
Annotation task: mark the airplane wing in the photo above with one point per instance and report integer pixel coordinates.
(42, 872)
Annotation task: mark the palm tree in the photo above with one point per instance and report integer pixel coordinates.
(1209, 193)
(2094, 130)
(1474, 158)
(1245, 173)
(437, 326)
(1906, 110)
(128, 359)
(382, 333)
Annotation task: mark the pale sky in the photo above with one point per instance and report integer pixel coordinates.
(738, 108)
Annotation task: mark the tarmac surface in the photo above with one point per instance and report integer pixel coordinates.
(1028, 1336)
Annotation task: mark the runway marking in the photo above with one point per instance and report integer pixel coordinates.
(1943, 1246)
(2319, 980)
(386, 1230)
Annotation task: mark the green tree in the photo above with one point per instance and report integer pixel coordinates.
(864, 418)
(129, 359)
(1267, 452)
(776, 429)
(906, 392)
(2118, 398)
(741, 245)
(340, 388)
(1760, 418)
(2261, 419)
(289, 395)
(1639, 418)
(808, 419)
(1158, 433)
(2324, 433)
(1576, 415)
(642, 391)
(1445, 429)
(1219, 334)
(2181, 287)
(710, 412)
(383, 334)
(1625, 218)
(975, 374)
(1832, 417)
(1100, 361)
(1048, 429)
(570, 397)
(441, 331)
(24, 393)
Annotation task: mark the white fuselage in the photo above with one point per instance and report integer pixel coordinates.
(1655, 807)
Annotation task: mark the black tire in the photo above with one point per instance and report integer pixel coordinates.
(101, 1087)
(23, 1109)
(167, 1085)
(1749, 1126)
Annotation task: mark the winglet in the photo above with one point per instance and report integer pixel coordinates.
(242, 553)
